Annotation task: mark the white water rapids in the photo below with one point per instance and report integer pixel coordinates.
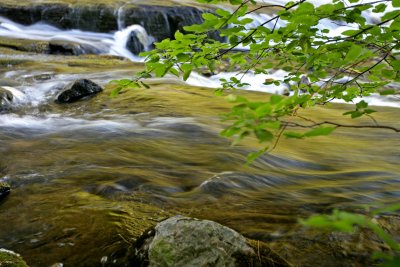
(115, 44)
(104, 43)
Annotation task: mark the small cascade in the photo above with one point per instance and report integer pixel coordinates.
(73, 41)
(17, 94)
(125, 43)
(130, 41)
(120, 12)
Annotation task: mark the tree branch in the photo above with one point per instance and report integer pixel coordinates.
(338, 125)
(255, 30)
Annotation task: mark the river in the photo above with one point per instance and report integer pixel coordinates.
(89, 177)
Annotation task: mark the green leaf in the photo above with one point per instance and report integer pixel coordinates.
(187, 70)
(263, 135)
(235, 2)
(389, 209)
(354, 52)
(319, 131)
(254, 155)
(387, 92)
(362, 104)
(115, 91)
(174, 72)
(396, 3)
(230, 131)
(293, 135)
(379, 8)
(182, 57)
(350, 32)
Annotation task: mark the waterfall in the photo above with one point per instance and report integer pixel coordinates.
(86, 42)
(121, 17)
(122, 38)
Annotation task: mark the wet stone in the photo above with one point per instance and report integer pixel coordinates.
(78, 90)
(5, 189)
(183, 241)
(6, 98)
(71, 49)
(133, 44)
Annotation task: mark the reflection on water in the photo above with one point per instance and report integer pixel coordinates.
(89, 177)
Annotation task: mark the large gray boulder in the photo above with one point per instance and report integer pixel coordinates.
(182, 241)
(79, 89)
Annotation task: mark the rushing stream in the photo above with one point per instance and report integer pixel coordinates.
(89, 177)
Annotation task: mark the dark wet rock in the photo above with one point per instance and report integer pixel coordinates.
(9, 258)
(183, 241)
(5, 189)
(78, 90)
(134, 44)
(162, 21)
(99, 18)
(6, 98)
(72, 49)
(43, 77)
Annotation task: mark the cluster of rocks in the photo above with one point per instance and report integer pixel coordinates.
(182, 241)
(77, 90)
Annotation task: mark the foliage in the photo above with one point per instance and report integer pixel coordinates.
(321, 66)
(347, 222)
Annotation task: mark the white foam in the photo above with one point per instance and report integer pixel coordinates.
(255, 81)
(57, 123)
(17, 94)
(104, 43)
(121, 37)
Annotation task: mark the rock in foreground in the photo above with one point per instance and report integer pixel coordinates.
(182, 241)
(78, 90)
(9, 258)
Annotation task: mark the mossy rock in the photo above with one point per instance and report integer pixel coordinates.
(183, 241)
(9, 258)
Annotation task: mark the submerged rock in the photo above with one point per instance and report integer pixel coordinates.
(6, 98)
(8, 95)
(183, 241)
(5, 189)
(134, 43)
(71, 49)
(9, 258)
(79, 89)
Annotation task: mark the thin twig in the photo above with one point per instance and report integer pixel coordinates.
(338, 125)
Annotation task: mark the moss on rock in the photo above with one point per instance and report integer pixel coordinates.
(9, 258)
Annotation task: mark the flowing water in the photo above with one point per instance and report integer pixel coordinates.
(89, 177)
